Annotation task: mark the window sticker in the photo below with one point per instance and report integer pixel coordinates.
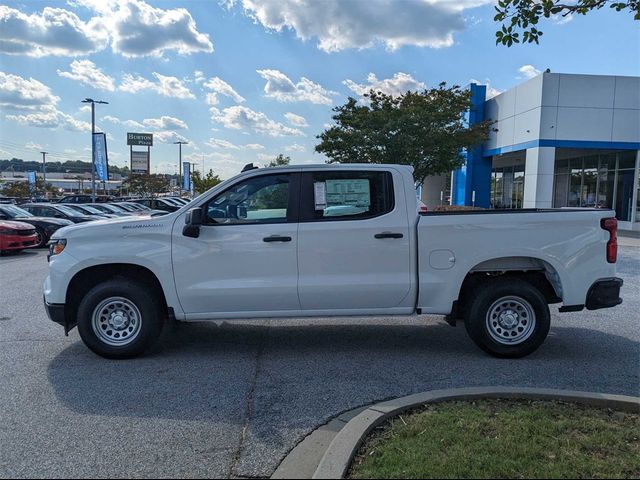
(352, 192)
(320, 195)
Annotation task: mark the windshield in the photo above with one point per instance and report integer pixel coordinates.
(88, 209)
(138, 207)
(126, 207)
(14, 212)
(66, 210)
(114, 209)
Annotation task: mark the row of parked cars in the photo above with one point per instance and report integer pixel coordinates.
(32, 224)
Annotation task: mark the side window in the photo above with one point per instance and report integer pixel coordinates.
(263, 199)
(348, 195)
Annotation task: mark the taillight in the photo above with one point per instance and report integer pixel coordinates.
(611, 226)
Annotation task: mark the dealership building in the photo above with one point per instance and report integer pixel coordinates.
(557, 140)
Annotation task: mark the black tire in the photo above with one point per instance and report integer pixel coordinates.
(42, 238)
(494, 298)
(135, 296)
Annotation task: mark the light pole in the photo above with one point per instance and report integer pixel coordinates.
(44, 174)
(93, 153)
(180, 166)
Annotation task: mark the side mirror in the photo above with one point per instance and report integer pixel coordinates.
(193, 221)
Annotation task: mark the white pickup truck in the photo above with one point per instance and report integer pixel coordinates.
(327, 240)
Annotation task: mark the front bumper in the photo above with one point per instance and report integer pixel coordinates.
(604, 293)
(56, 313)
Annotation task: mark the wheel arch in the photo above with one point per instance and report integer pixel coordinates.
(84, 280)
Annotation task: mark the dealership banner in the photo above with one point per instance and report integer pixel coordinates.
(32, 178)
(100, 159)
(186, 176)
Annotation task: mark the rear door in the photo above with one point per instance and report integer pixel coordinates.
(245, 259)
(353, 241)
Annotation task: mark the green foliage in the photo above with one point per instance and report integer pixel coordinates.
(504, 439)
(201, 184)
(71, 166)
(147, 185)
(22, 189)
(522, 16)
(279, 161)
(424, 129)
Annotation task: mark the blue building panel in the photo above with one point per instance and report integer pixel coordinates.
(475, 174)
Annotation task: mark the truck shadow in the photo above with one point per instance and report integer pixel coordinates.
(207, 372)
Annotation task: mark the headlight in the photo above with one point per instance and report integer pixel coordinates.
(56, 247)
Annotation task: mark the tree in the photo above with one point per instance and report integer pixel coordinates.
(522, 16)
(279, 161)
(22, 189)
(147, 184)
(202, 184)
(424, 129)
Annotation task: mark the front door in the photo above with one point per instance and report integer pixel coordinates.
(245, 259)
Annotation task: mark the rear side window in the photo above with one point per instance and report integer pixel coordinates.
(346, 195)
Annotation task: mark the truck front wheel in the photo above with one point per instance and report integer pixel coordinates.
(508, 318)
(119, 319)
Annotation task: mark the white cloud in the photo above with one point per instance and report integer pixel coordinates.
(165, 123)
(164, 85)
(24, 94)
(219, 86)
(198, 76)
(54, 31)
(339, 24)
(217, 143)
(137, 29)
(254, 146)
(561, 19)
(85, 71)
(33, 146)
(169, 136)
(296, 120)
(239, 118)
(398, 85)
(295, 148)
(51, 117)
(529, 71)
(280, 87)
(126, 123)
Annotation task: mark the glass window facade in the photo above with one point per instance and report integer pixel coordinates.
(507, 187)
(597, 179)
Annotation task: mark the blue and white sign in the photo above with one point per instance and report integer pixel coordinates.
(186, 176)
(32, 178)
(100, 159)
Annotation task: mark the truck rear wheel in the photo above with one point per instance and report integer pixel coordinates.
(119, 319)
(508, 318)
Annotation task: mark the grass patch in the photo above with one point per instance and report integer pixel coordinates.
(503, 439)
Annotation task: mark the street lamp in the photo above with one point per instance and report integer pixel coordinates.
(93, 153)
(44, 174)
(180, 143)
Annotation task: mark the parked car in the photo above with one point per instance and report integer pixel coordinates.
(110, 209)
(158, 204)
(89, 210)
(56, 210)
(45, 226)
(16, 236)
(84, 198)
(138, 209)
(179, 200)
(261, 245)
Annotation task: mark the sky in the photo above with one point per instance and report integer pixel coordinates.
(244, 80)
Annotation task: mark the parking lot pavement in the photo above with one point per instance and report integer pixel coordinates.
(221, 400)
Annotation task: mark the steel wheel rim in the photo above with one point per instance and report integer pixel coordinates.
(511, 320)
(116, 321)
(39, 238)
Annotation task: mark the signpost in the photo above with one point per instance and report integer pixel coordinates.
(140, 160)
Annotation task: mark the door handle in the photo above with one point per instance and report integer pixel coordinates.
(388, 235)
(276, 238)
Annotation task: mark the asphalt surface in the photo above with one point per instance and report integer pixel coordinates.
(231, 400)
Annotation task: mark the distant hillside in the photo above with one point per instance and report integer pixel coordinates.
(18, 165)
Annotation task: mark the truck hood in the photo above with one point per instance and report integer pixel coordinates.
(116, 227)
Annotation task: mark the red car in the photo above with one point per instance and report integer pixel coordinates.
(15, 236)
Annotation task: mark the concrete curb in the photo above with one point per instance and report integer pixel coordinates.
(337, 458)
